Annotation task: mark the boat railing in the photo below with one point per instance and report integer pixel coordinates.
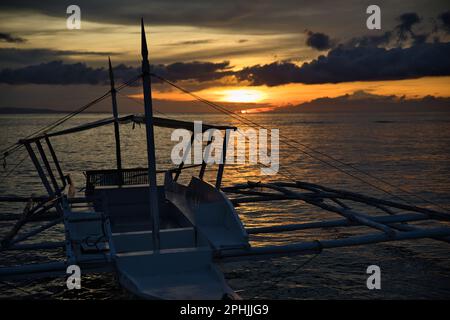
(114, 177)
(111, 177)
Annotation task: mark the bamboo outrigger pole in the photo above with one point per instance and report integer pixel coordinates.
(116, 124)
(146, 82)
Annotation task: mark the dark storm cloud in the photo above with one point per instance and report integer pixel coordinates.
(402, 34)
(407, 21)
(261, 16)
(57, 72)
(318, 41)
(54, 73)
(356, 64)
(7, 37)
(371, 41)
(229, 14)
(200, 71)
(405, 28)
(362, 58)
(341, 64)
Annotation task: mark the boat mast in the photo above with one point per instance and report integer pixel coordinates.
(116, 124)
(146, 82)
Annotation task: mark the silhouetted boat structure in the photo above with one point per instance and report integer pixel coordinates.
(163, 241)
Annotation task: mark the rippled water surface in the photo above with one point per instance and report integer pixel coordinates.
(410, 150)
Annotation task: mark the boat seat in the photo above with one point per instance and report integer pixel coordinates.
(142, 240)
(186, 273)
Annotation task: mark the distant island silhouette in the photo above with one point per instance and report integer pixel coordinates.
(362, 101)
(12, 110)
(358, 101)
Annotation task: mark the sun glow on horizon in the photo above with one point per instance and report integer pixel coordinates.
(254, 99)
(241, 95)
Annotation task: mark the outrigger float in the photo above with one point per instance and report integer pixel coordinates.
(164, 241)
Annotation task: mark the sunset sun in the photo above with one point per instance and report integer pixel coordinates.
(242, 95)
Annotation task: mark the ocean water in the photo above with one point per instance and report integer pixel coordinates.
(409, 150)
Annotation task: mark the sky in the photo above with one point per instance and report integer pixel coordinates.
(257, 55)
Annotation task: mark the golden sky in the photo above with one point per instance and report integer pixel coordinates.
(244, 35)
(296, 93)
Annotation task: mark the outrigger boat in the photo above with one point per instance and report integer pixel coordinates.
(164, 241)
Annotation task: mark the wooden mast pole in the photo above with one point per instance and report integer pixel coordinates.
(146, 82)
(116, 124)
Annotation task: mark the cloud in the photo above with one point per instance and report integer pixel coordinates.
(318, 41)
(363, 58)
(341, 64)
(58, 72)
(7, 37)
(272, 74)
(407, 21)
(200, 71)
(267, 16)
(404, 29)
(54, 73)
(192, 42)
(401, 34)
(444, 18)
(344, 64)
(370, 41)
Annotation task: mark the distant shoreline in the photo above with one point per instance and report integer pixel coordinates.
(6, 111)
(29, 111)
(281, 110)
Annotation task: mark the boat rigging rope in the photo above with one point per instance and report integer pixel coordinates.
(8, 151)
(16, 146)
(141, 103)
(290, 142)
(289, 175)
(7, 174)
